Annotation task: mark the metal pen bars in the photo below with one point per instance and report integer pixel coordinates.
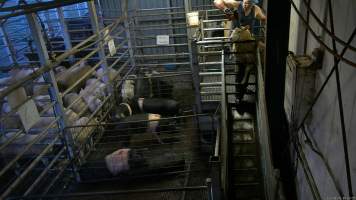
(44, 151)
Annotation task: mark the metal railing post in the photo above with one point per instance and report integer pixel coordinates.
(195, 74)
(64, 28)
(125, 14)
(53, 91)
(96, 30)
(224, 132)
(7, 42)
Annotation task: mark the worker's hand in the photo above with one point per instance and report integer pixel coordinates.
(230, 17)
(228, 11)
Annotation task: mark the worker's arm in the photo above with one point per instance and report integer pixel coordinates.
(259, 14)
(232, 3)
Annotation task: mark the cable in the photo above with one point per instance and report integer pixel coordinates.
(332, 35)
(351, 63)
(295, 134)
(313, 147)
(341, 107)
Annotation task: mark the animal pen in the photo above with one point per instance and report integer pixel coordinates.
(104, 100)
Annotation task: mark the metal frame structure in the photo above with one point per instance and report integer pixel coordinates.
(63, 155)
(56, 145)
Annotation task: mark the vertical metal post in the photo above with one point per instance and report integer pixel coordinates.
(96, 30)
(124, 10)
(195, 74)
(7, 42)
(48, 21)
(53, 91)
(215, 185)
(64, 28)
(224, 132)
(172, 31)
(193, 58)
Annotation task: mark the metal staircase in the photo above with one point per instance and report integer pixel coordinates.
(218, 86)
(209, 58)
(245, 168)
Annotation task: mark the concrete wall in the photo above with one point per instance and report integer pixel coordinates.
(324, 128)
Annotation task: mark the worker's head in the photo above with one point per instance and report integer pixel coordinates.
(219, 4)
(247, 4)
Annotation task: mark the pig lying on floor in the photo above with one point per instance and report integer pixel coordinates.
(127, 163)
(140, 161)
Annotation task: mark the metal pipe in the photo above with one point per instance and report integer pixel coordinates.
(49, 186)
(160, 28)
(27, 170)
(210, 73)
(160, 25)
(119, 58)
(162, 55)
(15, 136)
(124, 10)
(31, 8)
(8, 44)
(215, 20)
(217, 143)
(96, 26)
(224, 42)
(164, 118)
(162, 76)
(57, 61)
(111, 193)
(147, 37)
(159, 14)
(156, 9)
(161, 64)
(27, 147)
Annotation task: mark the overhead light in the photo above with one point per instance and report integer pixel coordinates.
(193, 19)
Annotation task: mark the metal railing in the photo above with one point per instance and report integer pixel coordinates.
(49, 151)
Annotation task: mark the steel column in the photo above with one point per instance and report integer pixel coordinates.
(124, 10)
(7, 42)
(193, 58)
(96, 30)
(53, 91)
(64, 28)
